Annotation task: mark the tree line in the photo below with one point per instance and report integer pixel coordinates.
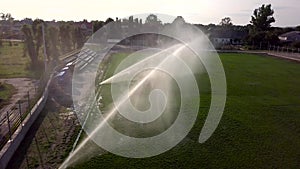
(65, 38)
(259, 31)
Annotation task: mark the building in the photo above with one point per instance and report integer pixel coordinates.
(86, 27)
(221, 36)
(290, 37)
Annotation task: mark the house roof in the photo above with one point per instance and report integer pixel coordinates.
(292, 36)
(84, 25)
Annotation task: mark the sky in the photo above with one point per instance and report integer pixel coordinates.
(287, 12)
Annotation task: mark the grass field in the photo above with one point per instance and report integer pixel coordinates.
(260, 127)
(12, 62)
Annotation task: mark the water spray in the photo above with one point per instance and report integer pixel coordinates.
(179, 61)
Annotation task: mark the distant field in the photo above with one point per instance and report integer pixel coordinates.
(12, 62)
(260, 127)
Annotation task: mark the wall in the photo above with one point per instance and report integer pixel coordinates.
(9, 149)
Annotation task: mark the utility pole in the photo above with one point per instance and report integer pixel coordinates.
(92, 32)
(44, 43)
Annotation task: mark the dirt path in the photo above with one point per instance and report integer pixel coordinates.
(22, 85)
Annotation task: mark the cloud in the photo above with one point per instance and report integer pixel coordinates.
(246, 11)
(240, 14)
(283, 8)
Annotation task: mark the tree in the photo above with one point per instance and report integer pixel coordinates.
(78, 38)
(53, 41)
(152, 19)
(226, 21)
(260, 29)
(179, 20)
(65, 37)
(152, 24)
(29, 46)
(97, 25)
(10, 20)
(262, 18)
(2, 16)
(298, 28)
(108, 20)
(6, 18)
(38, 36)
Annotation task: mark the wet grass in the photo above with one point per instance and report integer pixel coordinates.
(260, 127)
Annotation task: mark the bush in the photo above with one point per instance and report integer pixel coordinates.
(296, 44)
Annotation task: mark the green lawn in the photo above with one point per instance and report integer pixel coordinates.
(260, 127)
(12, 62)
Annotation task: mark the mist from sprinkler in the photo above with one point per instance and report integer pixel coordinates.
(167, 53)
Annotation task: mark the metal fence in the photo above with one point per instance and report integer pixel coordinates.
(274, 48)
(56, 132)
(14, 115)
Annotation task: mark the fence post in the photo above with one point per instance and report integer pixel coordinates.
(8, 124)
(28, 99)
(43, 129)
(27, 162)
(39, 152)
(20, 113)
(260, 46)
